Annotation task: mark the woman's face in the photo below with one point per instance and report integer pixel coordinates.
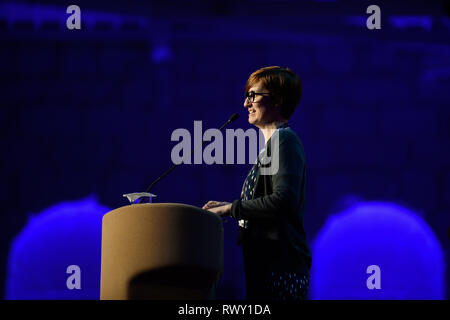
(261, 111)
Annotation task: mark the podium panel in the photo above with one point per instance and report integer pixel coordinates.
(160, 251)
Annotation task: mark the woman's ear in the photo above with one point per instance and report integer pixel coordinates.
(278, 102)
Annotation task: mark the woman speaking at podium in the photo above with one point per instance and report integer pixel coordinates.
(270, 211)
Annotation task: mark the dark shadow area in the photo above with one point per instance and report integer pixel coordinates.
(175, 283)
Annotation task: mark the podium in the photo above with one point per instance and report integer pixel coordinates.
(160, 251)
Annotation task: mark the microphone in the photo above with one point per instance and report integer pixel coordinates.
(231, 119)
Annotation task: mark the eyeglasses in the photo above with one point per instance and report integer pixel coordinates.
(251, 95)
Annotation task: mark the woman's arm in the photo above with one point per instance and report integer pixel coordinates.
(213, 204)
(286, 185)
(218, 207)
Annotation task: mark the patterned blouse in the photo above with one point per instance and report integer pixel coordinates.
(248, 190)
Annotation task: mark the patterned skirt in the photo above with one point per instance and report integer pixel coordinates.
(277, 286)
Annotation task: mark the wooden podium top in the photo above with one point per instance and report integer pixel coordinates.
(142, 238)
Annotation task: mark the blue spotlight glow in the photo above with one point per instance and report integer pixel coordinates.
(66, 234)
(387, 235)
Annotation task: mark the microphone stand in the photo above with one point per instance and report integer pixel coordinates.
(133, 197)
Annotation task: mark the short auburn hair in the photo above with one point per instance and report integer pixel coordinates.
(283, 84)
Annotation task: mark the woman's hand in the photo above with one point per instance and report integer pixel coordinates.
(219, 208)
(222, 210)
(213, 204)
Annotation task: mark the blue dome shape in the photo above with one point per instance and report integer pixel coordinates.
(63, 235)
(386, 235)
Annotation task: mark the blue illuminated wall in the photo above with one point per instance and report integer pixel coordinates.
(91, 111)
(63, 235)
(389, 236)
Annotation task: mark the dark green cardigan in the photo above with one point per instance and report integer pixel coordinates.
(275, 214)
